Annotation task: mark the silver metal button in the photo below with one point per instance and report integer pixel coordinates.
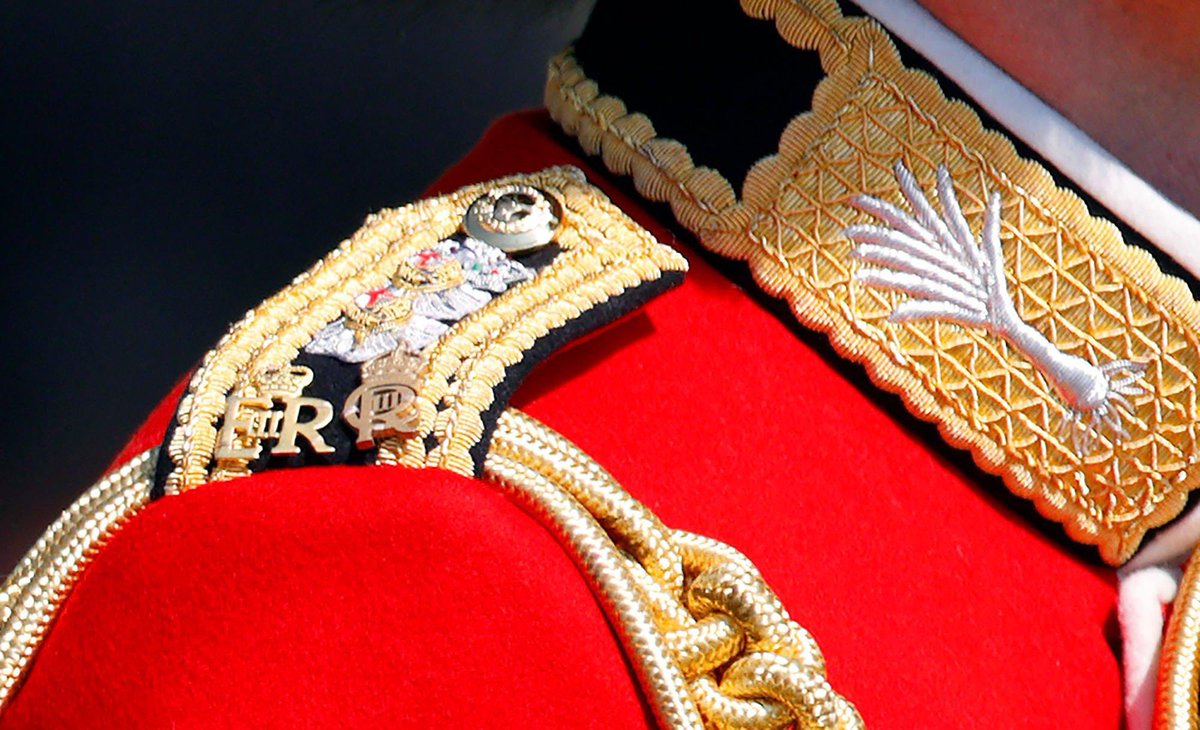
(514, 218)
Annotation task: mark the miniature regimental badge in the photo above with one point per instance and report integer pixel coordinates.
(403, 345)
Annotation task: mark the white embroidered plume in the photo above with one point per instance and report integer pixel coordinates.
(935, 260)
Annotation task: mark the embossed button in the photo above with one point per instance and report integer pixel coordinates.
(514, 218)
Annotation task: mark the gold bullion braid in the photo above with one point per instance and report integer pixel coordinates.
(1179, 672)
(712, 644)
(32, 593)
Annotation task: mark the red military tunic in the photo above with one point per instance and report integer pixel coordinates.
(363, 596)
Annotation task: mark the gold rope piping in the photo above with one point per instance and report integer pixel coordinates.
(608, 574)
(32, 594)
(1179, 671)
(712, 644)
(704, 202)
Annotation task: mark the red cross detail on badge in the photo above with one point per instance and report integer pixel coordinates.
(375, 295)
(427, 257)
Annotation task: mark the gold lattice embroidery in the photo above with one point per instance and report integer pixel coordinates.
(427, 409)
(1071, 277)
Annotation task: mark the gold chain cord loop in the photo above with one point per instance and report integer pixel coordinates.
(713, 645)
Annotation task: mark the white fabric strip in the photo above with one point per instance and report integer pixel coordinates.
(1142, 596)
(1169, 227)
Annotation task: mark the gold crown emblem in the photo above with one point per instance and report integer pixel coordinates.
(447, 273)
(384, 406)
(397, 364)
(391, 313)
(284, 382)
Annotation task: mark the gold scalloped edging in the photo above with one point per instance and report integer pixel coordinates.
(1179, 670)
(32, 593)
(1072, 276)
(604, 253)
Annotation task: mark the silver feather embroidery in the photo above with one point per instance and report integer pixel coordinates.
(486, 273)
(948, 277)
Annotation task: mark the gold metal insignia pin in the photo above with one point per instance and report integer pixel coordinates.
(250, 420)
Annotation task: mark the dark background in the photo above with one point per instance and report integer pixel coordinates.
(166, 166)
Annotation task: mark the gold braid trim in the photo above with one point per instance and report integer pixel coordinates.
(1179, 671)
(1072, 277)
(32, 593)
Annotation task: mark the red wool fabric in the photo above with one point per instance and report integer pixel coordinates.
(363, 596)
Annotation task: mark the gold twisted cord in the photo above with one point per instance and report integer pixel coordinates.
(1179, 673)
(603, 563)
(32, 593)
(712, 644)
(725, 653)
